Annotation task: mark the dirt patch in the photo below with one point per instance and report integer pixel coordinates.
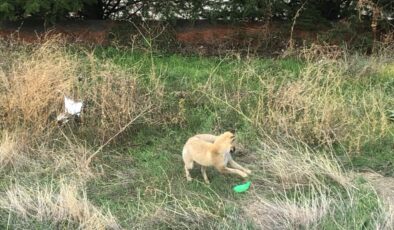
(383, 185)
(93, 31)
(245, 35)
(205, 38)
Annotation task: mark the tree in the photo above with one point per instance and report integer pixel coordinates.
(314, 11)
(45, 9)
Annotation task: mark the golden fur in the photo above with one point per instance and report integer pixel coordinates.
(210, 150)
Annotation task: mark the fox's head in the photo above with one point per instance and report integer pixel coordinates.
(225, 142)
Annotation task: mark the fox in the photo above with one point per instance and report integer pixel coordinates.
(212, 151)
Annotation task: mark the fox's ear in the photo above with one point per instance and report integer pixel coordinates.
(232, 131)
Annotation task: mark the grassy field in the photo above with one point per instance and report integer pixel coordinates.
(305, 127)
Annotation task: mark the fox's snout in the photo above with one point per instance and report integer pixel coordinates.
(232, 149)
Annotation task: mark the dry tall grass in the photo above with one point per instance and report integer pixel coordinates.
(115, 96)
(299, 165)
(32, 88)
(313, 106)
(34, 85)
(10, 149)
(319, 210)
(67, 204)
(294, 169)
(282, 213)
(311, 191)
(70, 160)
(63, 203)
(182, 211)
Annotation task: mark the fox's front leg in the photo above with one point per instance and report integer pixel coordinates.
(224, 169)
(237, 166)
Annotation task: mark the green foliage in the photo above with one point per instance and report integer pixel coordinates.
(311, 13)
(47, 9)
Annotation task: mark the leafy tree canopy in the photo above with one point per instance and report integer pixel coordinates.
(48, 9)
(232, 10)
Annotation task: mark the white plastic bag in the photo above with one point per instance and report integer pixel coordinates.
(71, 108)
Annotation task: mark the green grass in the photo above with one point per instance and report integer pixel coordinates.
(187, 74)
(140, 176)
(361, 214)
(155, 162)
(153, 177)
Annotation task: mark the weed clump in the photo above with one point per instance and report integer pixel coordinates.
(34, 86)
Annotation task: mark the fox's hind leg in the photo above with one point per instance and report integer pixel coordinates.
(188, 163)
(188, 166)
(204, 174)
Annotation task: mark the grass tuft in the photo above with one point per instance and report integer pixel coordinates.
(65, 205)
